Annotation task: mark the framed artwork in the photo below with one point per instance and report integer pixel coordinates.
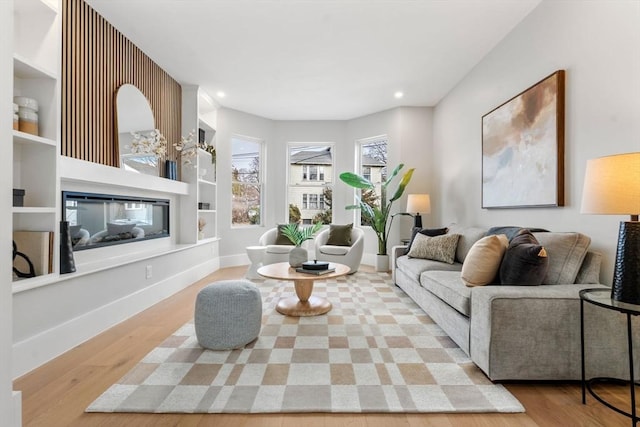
(523, 148)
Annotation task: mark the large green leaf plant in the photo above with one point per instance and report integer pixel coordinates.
(378, 217)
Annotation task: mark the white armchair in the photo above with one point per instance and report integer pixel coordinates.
(274, 253)
(347, 255)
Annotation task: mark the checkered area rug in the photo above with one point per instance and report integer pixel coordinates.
(375, 351)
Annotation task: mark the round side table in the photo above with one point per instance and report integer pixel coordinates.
(255, 254)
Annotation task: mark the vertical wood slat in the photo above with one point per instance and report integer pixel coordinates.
(97, 60)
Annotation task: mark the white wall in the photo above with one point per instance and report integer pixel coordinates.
(409, 131)
(598, 44)
(6, 306)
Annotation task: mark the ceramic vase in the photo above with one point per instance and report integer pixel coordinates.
(297, 256)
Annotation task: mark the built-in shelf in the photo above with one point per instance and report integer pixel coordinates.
(76, 170)
(27, 138)
(204, 181)
(26, 69)
(22, 285)
(32, 210)
(206, 211)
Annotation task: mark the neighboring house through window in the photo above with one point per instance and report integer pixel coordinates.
(310, 182)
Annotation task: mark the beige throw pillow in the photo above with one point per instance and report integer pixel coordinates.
(438, 248)
(482, 263)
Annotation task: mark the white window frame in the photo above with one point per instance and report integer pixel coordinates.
(321, 170)
(261, 180)
(358, 165)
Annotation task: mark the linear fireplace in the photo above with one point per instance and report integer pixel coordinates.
(98, 220)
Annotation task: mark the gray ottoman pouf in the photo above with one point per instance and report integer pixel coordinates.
(228, 314)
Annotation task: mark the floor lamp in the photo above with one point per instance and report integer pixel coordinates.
(612, 187)
(417, 204)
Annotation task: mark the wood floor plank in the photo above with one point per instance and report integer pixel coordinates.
(56, 394)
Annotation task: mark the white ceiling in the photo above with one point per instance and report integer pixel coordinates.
(317, 59)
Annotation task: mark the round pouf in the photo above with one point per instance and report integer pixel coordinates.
(228, 314)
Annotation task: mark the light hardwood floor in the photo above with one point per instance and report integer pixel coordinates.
(57, 393)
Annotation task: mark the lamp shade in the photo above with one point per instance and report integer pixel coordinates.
(612, 185)
(418, 203)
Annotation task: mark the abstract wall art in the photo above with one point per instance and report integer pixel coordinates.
(523, 148)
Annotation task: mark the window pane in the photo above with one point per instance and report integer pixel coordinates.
(246, 186)
(310, 175)
(373, 166)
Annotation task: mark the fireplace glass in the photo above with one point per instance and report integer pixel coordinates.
(97, 220)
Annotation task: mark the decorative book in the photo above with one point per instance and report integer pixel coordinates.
(316, 272)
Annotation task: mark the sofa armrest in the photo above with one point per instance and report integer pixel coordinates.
(533, 332)
(396, 251)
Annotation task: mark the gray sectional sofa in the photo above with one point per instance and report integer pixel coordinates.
(521, 332)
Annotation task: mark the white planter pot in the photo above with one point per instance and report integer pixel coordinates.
(382, 262)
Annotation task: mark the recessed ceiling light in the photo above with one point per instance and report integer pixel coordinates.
(398, 94)
(220, 94)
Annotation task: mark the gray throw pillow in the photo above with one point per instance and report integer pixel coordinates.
(438, 248)
(525, 262)
(340, 235)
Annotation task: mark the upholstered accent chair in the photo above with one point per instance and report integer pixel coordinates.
(274, 252)
(347, 255)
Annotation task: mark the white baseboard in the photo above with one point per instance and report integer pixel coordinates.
(234, 260)
(45, 346)
(17, 409)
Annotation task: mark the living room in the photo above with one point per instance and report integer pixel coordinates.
(596, 43)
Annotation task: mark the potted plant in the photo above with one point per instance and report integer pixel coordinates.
(378, 216)
(298, 236)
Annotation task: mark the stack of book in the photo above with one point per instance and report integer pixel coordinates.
(315, 267)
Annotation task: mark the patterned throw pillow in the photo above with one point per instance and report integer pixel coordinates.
(482, 263)
(438, 248)
(431, 232)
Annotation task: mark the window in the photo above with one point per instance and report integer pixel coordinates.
(372, 157)
(246, 181)
(310, 183)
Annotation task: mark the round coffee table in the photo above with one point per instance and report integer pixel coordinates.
(303, 304)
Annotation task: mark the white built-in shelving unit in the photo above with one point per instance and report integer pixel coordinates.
(201, 173)
(36, 65)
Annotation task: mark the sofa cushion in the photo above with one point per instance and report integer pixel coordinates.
(281, 239)
(439, 248)
(431, 232)
(483, 260)
(449, 287)
(566, 253)
(414, 267)
(525, 262)
(279, 249)
(468, 236)
(334, 250)
(340, 235)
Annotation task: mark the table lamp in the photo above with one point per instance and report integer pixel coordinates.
(612, 187)
(417, 204)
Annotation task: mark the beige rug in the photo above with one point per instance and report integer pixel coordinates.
(376, 351)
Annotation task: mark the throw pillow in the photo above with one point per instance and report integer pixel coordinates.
(340, 235)
(525, 262)
(281, 239)
(431, 232)
(482, 263)
(438, 248)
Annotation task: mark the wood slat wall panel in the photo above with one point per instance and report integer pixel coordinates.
(96, 60)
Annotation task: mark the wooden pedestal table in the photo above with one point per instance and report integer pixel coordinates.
(303, 304)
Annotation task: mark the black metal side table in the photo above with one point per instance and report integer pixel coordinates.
(601, 297)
